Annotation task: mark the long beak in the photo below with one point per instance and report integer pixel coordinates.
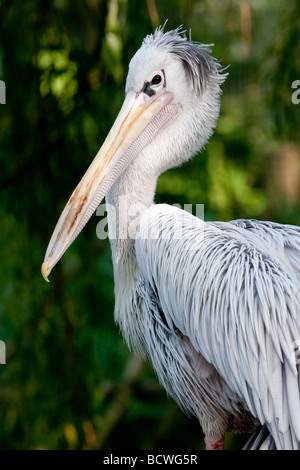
(139, 120)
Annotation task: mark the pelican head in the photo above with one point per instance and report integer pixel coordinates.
(171, 107)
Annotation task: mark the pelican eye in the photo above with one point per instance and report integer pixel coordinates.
(156, 80)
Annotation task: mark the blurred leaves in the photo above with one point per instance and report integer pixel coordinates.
(59, 77)
(69, 381)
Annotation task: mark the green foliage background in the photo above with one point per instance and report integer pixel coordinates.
(69, 381)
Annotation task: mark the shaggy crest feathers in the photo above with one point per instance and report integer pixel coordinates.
(200, 66)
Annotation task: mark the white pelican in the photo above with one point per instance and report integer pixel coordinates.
(215, 306)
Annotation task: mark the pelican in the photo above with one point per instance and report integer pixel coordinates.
(215, 306)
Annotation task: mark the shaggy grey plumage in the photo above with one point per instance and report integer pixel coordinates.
(230, 300)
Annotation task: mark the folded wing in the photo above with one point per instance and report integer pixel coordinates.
(233, 290)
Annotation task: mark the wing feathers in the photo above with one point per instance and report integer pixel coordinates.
(234, 292)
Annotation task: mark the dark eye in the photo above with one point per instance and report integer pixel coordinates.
(156, 80)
